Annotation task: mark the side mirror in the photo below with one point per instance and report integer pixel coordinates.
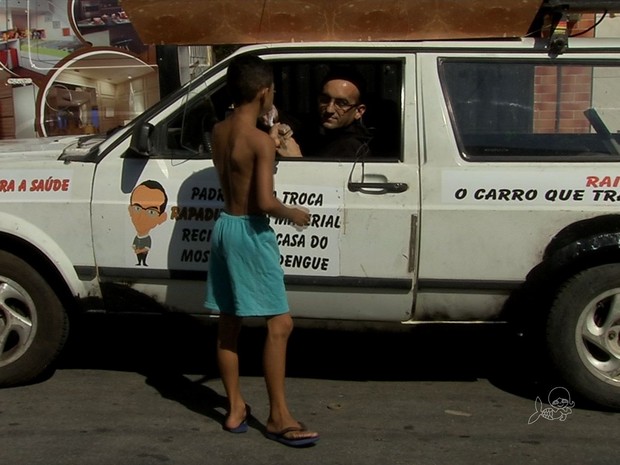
(141, 139)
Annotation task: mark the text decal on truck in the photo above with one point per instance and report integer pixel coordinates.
(181, 233)
(48, 185)
(529, 187)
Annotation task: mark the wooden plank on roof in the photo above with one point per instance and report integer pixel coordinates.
(211, 22)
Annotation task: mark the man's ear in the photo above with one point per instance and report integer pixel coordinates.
(359, 111)
(262, 94)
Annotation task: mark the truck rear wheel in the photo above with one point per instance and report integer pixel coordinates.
(33, 323)
(583, 335)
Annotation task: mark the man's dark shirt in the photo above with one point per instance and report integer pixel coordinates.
(343, 143)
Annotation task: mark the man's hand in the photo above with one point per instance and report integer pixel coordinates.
(286, 146)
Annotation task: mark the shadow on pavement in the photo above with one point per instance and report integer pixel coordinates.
(163, 347)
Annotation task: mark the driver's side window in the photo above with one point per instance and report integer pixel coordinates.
(299, 91)
(303, 103)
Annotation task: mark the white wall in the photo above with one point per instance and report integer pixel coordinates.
(606, 81)
(5, 23)
(24, 110)
(44, 14)
(610, 27)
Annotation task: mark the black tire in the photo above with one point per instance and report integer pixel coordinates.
(33, 322)
(583, 335)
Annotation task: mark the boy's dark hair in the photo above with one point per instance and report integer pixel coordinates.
(347, 73)
(246, 76)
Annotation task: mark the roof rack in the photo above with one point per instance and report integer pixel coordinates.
(558, 13)
(583, 6)
(213, 22)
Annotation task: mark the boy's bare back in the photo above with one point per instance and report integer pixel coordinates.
(244, 157)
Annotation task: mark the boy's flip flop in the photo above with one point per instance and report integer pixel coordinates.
(243, 426)
(281, 437)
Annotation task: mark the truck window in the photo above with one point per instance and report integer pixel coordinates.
(298, 86)
(297, 83)
(187, 132)
(533, 111)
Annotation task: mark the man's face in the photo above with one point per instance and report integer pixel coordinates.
(144, 209)
(339, 104)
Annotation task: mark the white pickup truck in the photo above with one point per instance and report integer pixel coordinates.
(490, 193)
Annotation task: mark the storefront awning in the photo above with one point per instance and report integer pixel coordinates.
(211, 22)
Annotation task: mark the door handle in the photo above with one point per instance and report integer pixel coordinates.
(378, 187)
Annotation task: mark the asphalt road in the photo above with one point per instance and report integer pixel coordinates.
(145, 391)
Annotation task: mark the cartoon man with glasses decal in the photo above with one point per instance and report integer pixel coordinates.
(147, 209)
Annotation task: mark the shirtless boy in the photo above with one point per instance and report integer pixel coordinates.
(245, 278)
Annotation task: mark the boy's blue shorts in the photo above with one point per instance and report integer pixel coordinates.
(245, 277)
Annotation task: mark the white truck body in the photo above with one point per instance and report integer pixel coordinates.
(462, 214)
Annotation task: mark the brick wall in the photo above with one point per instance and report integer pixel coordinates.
(562, 93)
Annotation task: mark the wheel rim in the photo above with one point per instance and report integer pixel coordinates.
(18, 321)
(598, 337)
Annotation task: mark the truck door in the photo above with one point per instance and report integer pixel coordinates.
(356, 261)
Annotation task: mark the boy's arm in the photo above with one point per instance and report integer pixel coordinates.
(265, 159)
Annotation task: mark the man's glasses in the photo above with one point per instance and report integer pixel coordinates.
(150, 211)
(340, 104)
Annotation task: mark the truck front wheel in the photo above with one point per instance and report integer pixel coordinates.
(33, 323)
(583, 335)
